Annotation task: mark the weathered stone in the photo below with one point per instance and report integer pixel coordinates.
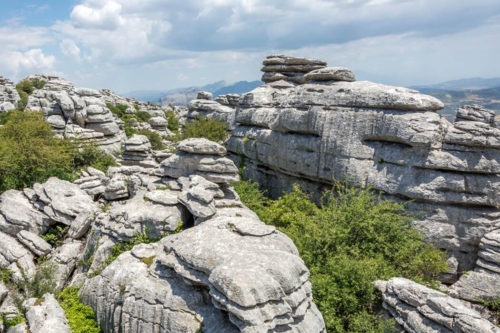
(201, 146)
(331, 74)
(204, 95)
(46, 316)
(35, 243)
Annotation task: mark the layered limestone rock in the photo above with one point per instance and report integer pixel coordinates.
(390, 138)
(420, 309)
(200, 157)
(231, 100)
(9, 97)
(205, 107)
(78, 113)
(137, 151)
(292, 69)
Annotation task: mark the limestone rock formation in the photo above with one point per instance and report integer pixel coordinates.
(9, 97)
(420, 309)
(137, 151)
(204, 106)
(231, 100)
(200, 157)
(283, 67)
(375, 135)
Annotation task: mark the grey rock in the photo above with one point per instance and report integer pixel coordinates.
(46, 317)
(204, 95)
(17, 213)
(14, 254)
(201, 146)
(421, 309)
(108, 128)
(331, 73)
(35, 243)
(158, 122)
(475, 113)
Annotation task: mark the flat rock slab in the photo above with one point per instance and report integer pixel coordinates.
(201, 146)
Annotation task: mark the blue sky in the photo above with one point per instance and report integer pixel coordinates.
(130, 45)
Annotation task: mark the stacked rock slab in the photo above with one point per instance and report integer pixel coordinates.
(204, 106)
(231, 100)
(78, 113)
(375, 135)
(420, 309)
(199, 156)
(137, 151)
(292, 69)
(9, 97)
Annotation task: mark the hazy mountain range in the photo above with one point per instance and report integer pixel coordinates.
(182, 96)
(485, 92)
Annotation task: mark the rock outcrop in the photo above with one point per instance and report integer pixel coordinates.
(283, 67)
(205, 107)
(137, 151)
(200, 157)
(9, 97)
(390, 138)
(420, 309)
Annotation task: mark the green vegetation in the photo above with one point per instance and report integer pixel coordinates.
(81, 317)
(30, 152)
(25, 88)
(143, 116)
(212, 129)
(154, 138)
(55, 235)
(91, 155)
(12, 321)
(173, 122)
(119, 110)
(354, 238)
(125, 246)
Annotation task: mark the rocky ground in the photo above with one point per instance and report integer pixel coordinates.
(207, 263)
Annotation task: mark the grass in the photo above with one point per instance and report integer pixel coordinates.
(81, 318)
(212, 129)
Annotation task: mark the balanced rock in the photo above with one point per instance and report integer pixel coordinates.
(331, 74)
(204, 95)
(137, 151)
(203, 159)
(283, 67)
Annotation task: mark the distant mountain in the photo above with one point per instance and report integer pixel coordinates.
(239, 88)
(475, 83)
(182, 96)
(146, 95)
(452, 99)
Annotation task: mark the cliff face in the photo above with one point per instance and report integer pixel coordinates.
(319, 125)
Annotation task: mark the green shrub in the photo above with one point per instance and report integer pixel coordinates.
(81, 318)
(154, 138)
(25, 88)
(142, 116)
(30, 152)
(13, 321)
(55, 235)
(354, 238)
(119, 110)
(91, 155)
(212, 129)
(173, 122)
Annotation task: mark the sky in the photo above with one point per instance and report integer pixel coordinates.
(128, 45)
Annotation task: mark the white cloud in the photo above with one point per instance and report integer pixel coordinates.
(183, 77)
(70, 49)
(106, 17)
(34, 60)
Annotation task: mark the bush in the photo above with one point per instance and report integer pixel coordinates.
(119, 110)
(142, 116)
(154, 138)
(173, 122)
(91, 155)
(81, 318)
(55, 235)
(212, 129)
(30, 152)
(354, 238)
(25, 88)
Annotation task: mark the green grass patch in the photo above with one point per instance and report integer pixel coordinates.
(354, 238)
(81, 317)
(211, 129)
(173, 122)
